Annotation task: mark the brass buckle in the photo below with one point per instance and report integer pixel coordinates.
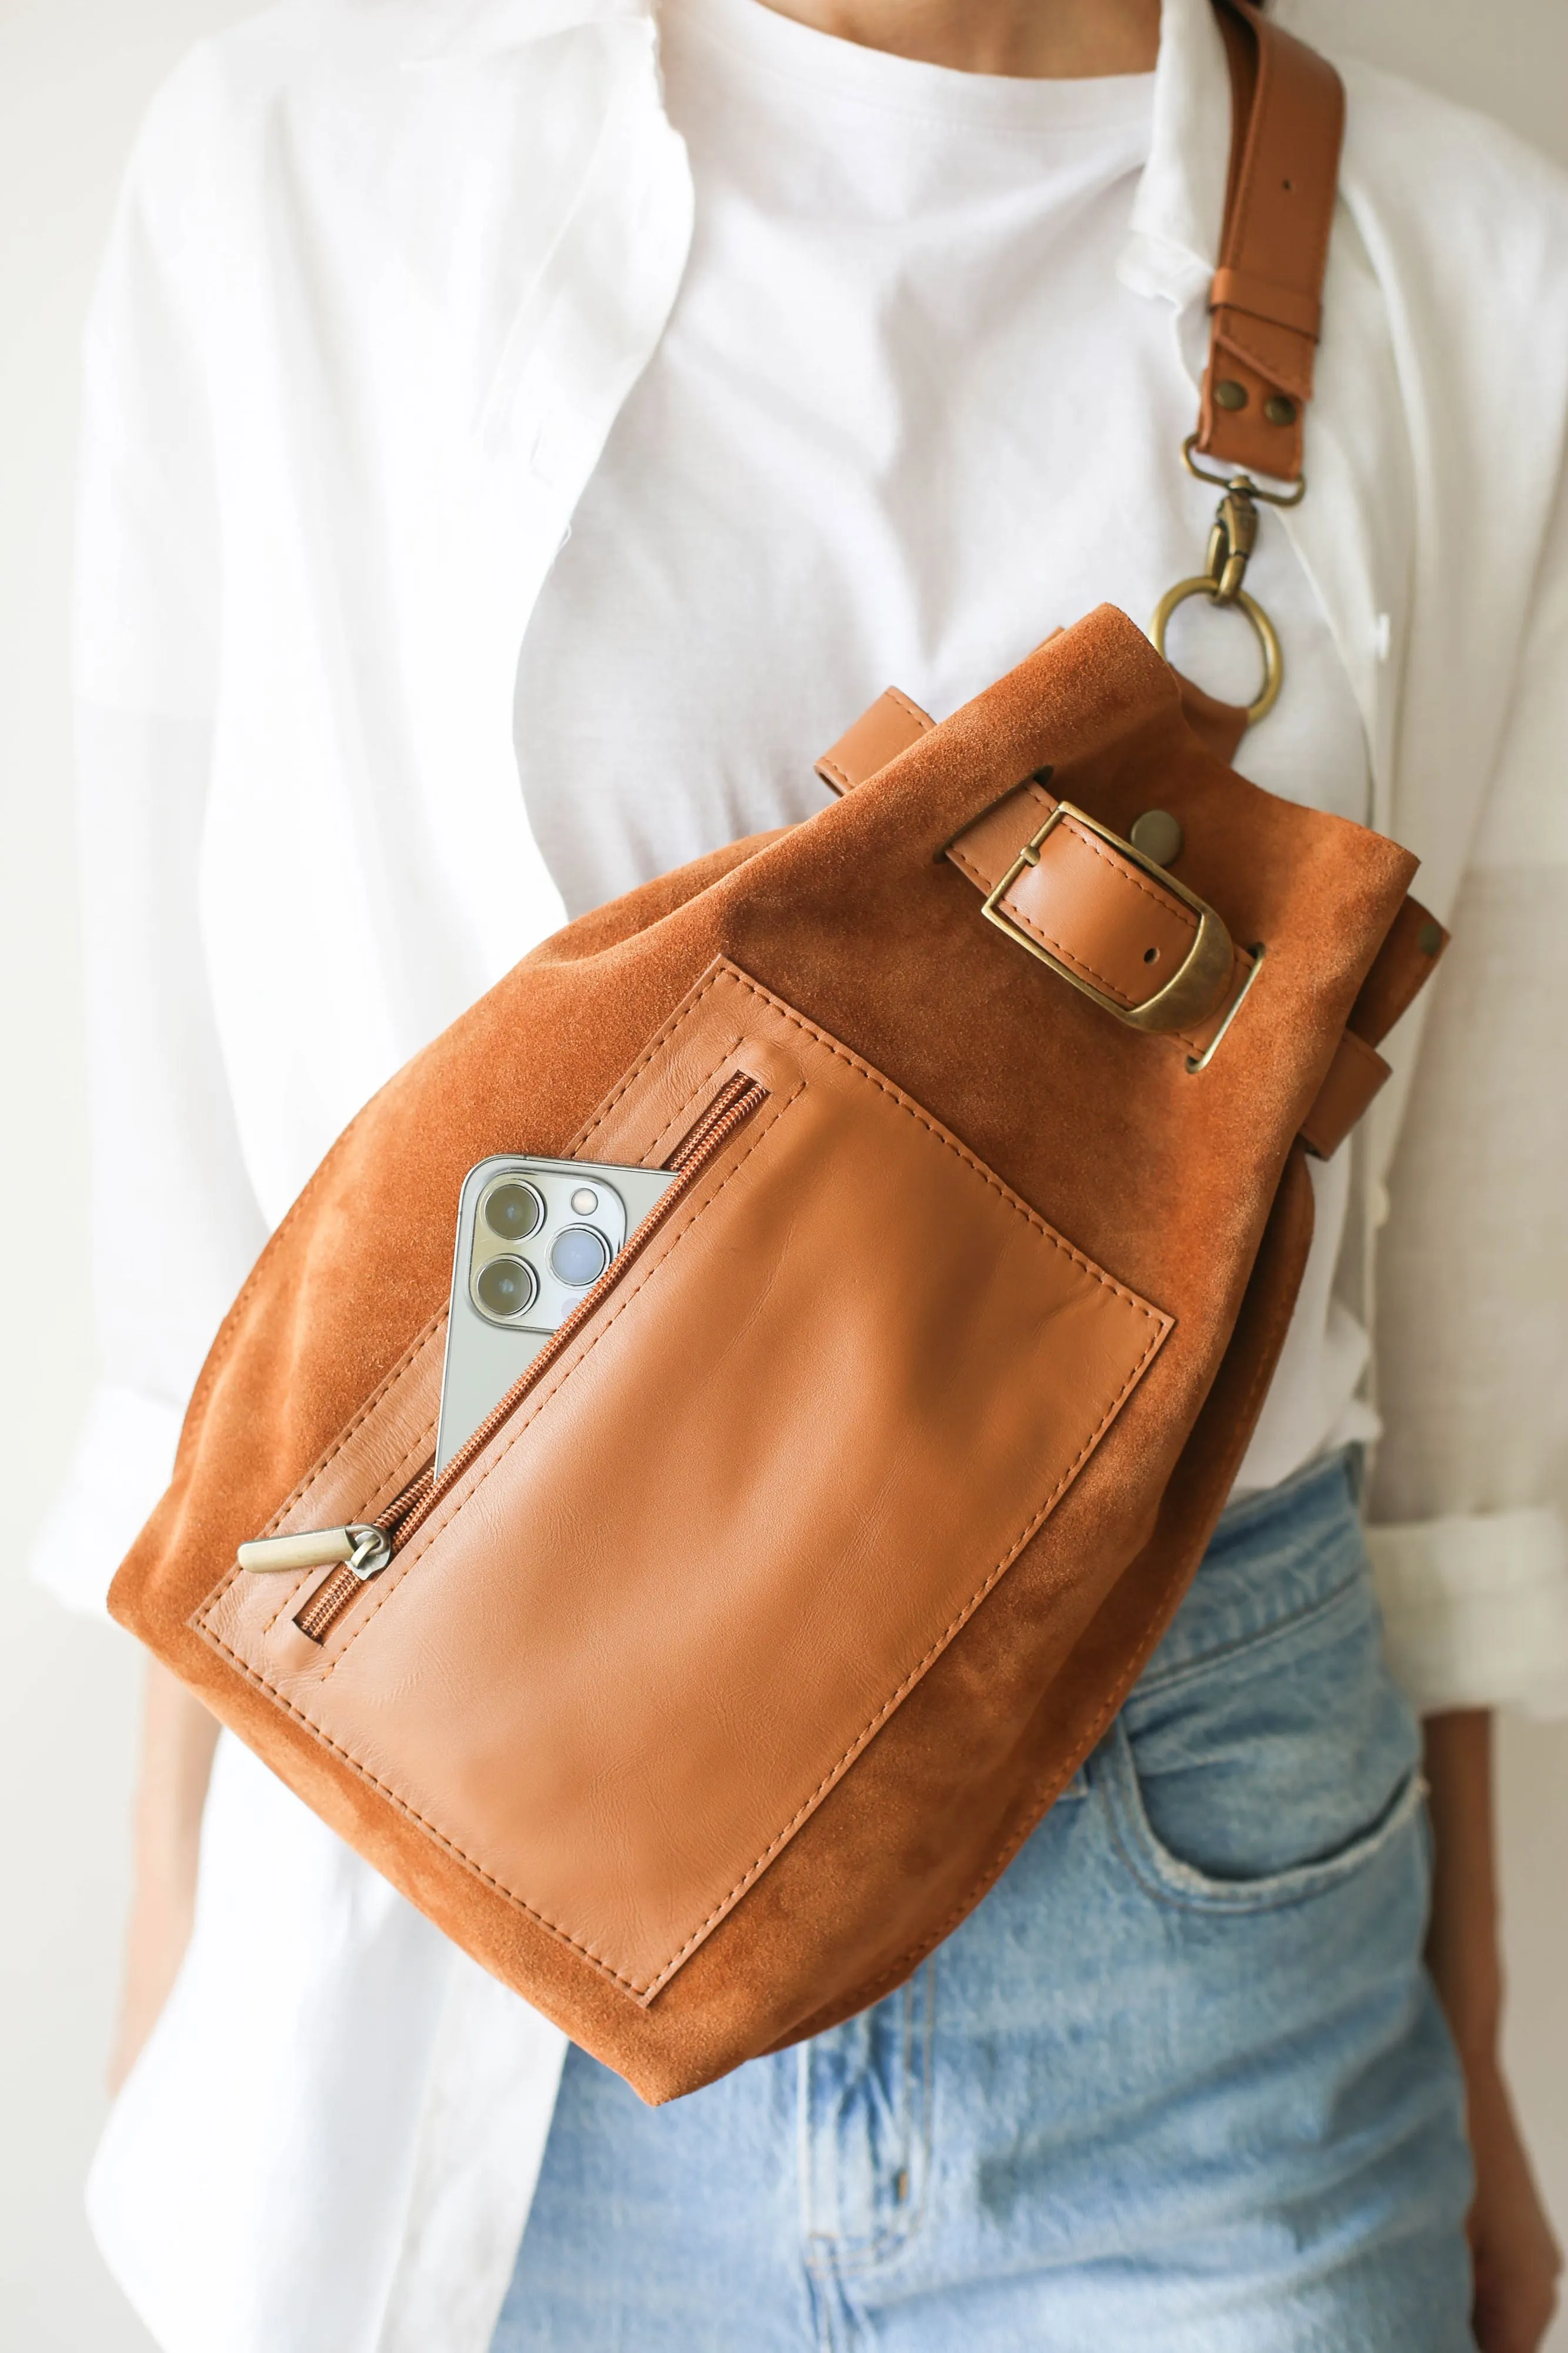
(1191, 990)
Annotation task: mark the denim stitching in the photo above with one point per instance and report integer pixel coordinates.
(1163, 1679)
(1168, 1880)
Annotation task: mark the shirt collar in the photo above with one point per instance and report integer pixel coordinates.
(1176, 216)
(1174, 246)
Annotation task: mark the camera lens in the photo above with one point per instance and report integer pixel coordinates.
(506, 1286)
(579, 1256)
(514, 1210)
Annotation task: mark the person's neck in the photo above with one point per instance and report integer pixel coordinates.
(1034, 39)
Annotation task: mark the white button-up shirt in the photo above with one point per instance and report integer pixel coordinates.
(385, 272)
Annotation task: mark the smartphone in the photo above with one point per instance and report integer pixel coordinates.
(532, 1237)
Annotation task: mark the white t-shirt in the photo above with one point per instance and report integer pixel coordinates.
(903, 421)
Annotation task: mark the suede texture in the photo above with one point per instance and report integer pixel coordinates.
(1189, 1189)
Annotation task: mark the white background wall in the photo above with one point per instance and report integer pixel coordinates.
(74, 75)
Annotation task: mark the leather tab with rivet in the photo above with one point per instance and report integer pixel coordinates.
(1400, 970)
(1265, 301)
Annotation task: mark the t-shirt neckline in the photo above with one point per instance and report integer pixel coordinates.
(780, 49)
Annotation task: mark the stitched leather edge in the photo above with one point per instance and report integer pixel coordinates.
(508, 1435)
(1121, 1682)
(1162, 1323)
(667, 1030)
(297, 1494)
(922, 719)
(670, 1133)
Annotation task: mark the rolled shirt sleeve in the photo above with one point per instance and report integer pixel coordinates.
(1468, 1533)
(1476, 1610)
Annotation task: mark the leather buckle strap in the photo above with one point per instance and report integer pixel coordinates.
(1089, 906)
(1080, 918)
(1190, 992)
(1100, 915)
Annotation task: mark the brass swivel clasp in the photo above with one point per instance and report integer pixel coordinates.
(1233, 535)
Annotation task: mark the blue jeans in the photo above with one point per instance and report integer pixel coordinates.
(1180, 2083)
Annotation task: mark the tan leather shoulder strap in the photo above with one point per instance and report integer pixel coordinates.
(1266, 301)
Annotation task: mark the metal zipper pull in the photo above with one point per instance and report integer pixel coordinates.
(363, 1551)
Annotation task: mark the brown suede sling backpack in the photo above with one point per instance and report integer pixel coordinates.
(725, 1668)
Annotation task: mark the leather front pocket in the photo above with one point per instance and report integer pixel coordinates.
(700, 1565)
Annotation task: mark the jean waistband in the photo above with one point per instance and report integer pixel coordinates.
(1270, 1557)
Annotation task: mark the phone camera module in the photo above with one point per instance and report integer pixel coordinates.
(506, 1287)
(514, 1210)
(578, 1256)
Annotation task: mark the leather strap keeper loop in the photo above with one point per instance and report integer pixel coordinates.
(1265, 298)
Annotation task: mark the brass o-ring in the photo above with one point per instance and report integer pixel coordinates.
(1201, 585)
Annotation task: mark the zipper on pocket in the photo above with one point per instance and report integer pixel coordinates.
(364, 1549)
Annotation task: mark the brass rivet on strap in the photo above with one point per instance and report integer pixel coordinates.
(1429, 938)
(1278, 410)
(1157, 834)
(1229, 393)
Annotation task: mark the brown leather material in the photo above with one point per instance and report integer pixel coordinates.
(1354, 1076)
(1083, 912)
(856, 958)
(1401, 969)
(664, 1657)
(1102, 916)
(1263, 297)
(1218, 726)
(891, 725)
(1288, 107)
(1116, 1643)
(1100, 913)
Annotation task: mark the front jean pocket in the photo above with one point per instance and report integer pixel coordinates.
(645, 1630)
(1266, 1773)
